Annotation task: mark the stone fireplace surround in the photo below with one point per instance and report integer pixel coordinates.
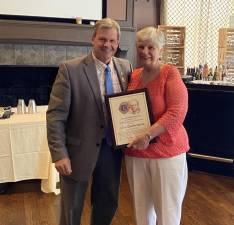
(31, 51)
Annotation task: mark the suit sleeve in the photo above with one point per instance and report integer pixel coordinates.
(57, 114)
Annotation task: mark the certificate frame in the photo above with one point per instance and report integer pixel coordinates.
(129, 113)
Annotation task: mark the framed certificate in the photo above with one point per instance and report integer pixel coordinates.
(129, 114)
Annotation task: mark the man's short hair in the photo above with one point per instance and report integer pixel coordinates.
(106, 23)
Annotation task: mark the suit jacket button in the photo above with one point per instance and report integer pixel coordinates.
(97, 144)
(101, 126)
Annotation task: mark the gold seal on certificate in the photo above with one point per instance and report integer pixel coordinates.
(129, 114)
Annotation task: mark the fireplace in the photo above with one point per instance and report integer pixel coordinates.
(26, 82)
(31, 51)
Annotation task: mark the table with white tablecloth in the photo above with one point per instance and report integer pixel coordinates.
(24, 151)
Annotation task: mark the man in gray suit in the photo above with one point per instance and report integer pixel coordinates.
(77, 128)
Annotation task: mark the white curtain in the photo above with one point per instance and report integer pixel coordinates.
(202, 19)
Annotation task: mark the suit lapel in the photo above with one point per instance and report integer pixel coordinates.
(120, 74)
(91, 74)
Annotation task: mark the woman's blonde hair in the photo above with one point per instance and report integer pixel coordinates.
(151, 34)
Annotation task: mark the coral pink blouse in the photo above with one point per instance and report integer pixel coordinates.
(169, 102)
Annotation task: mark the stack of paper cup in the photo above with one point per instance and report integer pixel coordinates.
(21, 107)
(32, 107)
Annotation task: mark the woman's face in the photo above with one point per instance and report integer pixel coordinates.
(148, 54)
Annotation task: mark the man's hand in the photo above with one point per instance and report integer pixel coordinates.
(63, 166)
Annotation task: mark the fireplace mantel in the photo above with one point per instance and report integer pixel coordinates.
(16, 31)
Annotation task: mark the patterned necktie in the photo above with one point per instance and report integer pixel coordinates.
(108, 80)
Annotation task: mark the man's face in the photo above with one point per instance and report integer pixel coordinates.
(105, 44)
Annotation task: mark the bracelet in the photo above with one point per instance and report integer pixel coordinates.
(149, 136)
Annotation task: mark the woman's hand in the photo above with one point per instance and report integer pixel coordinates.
(141, 142)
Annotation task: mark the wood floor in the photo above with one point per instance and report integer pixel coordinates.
(209, 201)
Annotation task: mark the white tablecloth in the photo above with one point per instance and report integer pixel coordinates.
(24, 152)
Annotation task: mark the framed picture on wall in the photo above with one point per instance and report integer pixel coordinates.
(121, 11)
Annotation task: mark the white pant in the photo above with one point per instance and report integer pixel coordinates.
(158, 188)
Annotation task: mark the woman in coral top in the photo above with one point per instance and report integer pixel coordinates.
(157, 172)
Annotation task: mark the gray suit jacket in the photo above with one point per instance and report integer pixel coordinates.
(75, 119)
